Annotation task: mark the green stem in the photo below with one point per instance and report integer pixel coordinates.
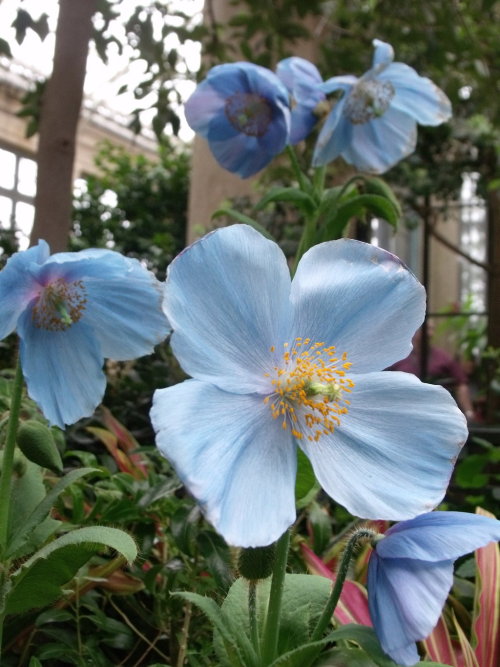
(306, 241)
(8, 457)
(296, 167)
(271, 629)
(326, 616)
(252, 613)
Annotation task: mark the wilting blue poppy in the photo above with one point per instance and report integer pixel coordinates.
(278, 364)
(410, 574)
(374, 124)
(70, 311)
(303, 81)
(243, 112)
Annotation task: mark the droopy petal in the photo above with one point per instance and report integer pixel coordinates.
(393, 453)
(233, 457)
(380, 143)
(359, 298)
(18, 284)
(126, 312)
(416, 95)
(62, 369)
(439, 536)
(383, 54)
(405, 598)
(334, 137)
(226, 298)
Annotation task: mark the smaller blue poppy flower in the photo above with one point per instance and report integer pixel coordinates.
(410, 574)
(243, 112)
(374, 124)
(303, 81)
(70, 311)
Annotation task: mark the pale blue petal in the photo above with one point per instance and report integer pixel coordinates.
(303, 122)
(233, 457)
(299, 76)
(384, 53)
(240, 155)
(203, 105)
(416, 95)
(405, 598)
(345, 82)
(393, 454)
(265, 82)
(380, 143)
(334, 137)
(226, 298)
(126, 313)
(19, 284)
(439, 536)
(361, 299)
(62, 369)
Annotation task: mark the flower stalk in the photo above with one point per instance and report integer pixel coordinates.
(271, 629)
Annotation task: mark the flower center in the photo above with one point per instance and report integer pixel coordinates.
(60, 304)
(309, 387)
(249, 113)
(368, 99)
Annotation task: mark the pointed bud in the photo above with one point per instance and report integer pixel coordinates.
(36, 442)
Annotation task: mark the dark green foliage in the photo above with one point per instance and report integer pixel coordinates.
(135, 206)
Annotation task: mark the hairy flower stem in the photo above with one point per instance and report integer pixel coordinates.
(6, 477)
(271, 628)
(252, 614)
(326, 616)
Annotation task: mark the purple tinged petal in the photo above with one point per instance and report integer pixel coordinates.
(233, 457)
(62, 369)
(370, 467)
(439, 536)
(376, 303)
(226, 298)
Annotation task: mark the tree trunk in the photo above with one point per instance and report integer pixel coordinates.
(61, 104)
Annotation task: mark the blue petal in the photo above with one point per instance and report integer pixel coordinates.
(226, 298)
(416, 95)
(371, 466)
(303, 122)
(203, 105)
(380, 143)
(240, 155)
(344, 83)
(19, 285)
(233, 457)
(384, 53)
(359, 298)
(334, 137)
(264, 82)
(405, 598)
(62, 369)
(439, 536)
(220, 129)
(125, 312)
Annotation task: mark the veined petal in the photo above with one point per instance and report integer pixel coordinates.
(18, 284)
(233, 457)
(334, 137)
(130, 305)
(416, 95)
(439, 536)
(359, 298)
(62, 369)
(370, 464)
(380, 143)
(226, 298)
(405, 598)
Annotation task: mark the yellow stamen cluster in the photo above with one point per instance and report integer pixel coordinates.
(60, 304)
(309, 389)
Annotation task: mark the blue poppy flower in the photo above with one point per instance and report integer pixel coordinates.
(70, 311)
(374, 124)
(243, 112)
(278, 364)
(303, 81)
(410, 574)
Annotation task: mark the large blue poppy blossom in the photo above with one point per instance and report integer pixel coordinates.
(374, 124)
(278, 364)
(70, 311)
(243, 112)
(410, 574)
(303, 81)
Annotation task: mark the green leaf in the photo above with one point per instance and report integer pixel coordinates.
(335, 222)
(306, 485)
(38, 581)
(15, 546)
(237, 646)
(321, 525)
(377, 186)
(367, 639)
(241, 217)
(344, 657)
(303, 201)
(216, 553)
(302, 656)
